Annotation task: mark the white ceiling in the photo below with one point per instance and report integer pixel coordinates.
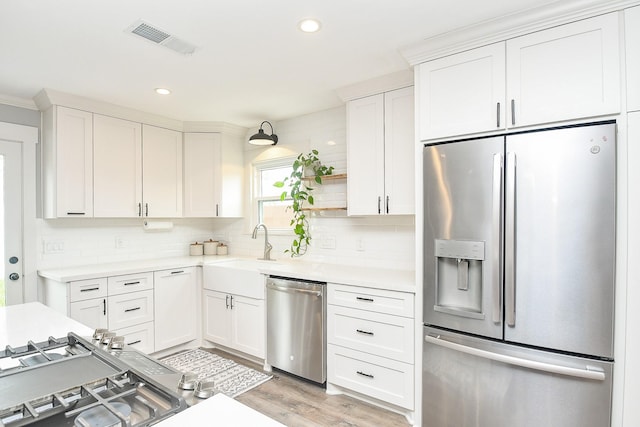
(252, 63)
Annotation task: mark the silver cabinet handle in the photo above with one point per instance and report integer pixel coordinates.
(387, 205)
(509, 243)
(131, 283)
(134, 342)
(177, 272)
(76, 213)
(360, 331)
(364, 374)
(226, 301)
(139, 209)
(132, 309)
(589, 372)
(496, 237)
(104, 307)
(379, 200)
(90, 289)
(231, 302)
(217, 210)
(513, 112)
(146, 209)
(498, 115)
(364, 299)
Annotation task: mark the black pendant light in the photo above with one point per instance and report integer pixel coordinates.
(262, 138)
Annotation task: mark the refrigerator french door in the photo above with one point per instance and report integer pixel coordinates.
(519, 250)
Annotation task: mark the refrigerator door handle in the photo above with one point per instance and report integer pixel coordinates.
(509, 250)
(589, 372)
(496, 237)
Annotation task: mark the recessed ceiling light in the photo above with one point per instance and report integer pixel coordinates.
(309, 25)
(162, 91)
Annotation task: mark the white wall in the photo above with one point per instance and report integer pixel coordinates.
(375, 241)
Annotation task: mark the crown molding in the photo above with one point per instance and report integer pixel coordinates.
(376, 85)
(222, 127)
(17, 102)
(49, 97)
(509, 26)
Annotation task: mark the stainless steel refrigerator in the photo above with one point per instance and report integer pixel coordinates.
(519, 272)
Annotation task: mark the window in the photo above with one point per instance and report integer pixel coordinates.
(272, 211)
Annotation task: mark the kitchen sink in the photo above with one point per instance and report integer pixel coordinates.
(236, 276)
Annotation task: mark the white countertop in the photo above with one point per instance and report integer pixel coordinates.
(221, 411)
(37, 322)
(380, 278)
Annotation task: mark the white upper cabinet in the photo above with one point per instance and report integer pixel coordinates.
(117, 167)
(463, 93)
(399, 151)
(380, 154)
(632, 39)
(138, 170)
(212, 176)
(67, 163)
(161, 172)
(566, 72)
(563, 73)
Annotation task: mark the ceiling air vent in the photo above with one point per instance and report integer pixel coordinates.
(161, 37)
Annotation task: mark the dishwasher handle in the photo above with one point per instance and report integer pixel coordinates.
(293, 289)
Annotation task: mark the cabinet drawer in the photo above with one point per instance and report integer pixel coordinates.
(139, 337)
(380, 334)
(378, 300)
(130, 283)
(130, 309)
(81, 290)
(381, 378)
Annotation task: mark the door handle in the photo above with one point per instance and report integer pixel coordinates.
(496, 238)
(509, 244)
(589, 372)
(14, 276)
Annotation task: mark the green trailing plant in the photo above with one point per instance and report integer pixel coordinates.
(307, 169)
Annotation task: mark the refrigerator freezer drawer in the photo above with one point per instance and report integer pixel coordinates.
(473, 382)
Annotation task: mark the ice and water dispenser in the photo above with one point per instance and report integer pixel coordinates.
(459, 277)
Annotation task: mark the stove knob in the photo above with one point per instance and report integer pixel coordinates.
(98, 334)
(188, 381)
(107, 337)
(116, 343)
(204, 389)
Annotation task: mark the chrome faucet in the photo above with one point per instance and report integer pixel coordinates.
(267, 245)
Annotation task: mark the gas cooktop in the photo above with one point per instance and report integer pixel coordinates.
(71, 381)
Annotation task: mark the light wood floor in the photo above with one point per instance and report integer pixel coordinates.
(298, 403)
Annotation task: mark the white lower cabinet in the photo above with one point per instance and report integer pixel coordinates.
(175, 293)
(152, 310)
(384, 379)
(140, 337)
(130, 309)
(234, 321)
(370, 343)
(91, 312)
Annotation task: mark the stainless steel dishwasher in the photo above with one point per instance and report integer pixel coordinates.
(296, 324)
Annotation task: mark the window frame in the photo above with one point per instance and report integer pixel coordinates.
(257, 184)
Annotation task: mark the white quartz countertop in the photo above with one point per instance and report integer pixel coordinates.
(373, 277)
(220, 411)
(36, 322)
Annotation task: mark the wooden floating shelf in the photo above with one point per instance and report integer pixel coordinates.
(327, 177)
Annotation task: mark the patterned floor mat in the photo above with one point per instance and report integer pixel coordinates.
(230, 378)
